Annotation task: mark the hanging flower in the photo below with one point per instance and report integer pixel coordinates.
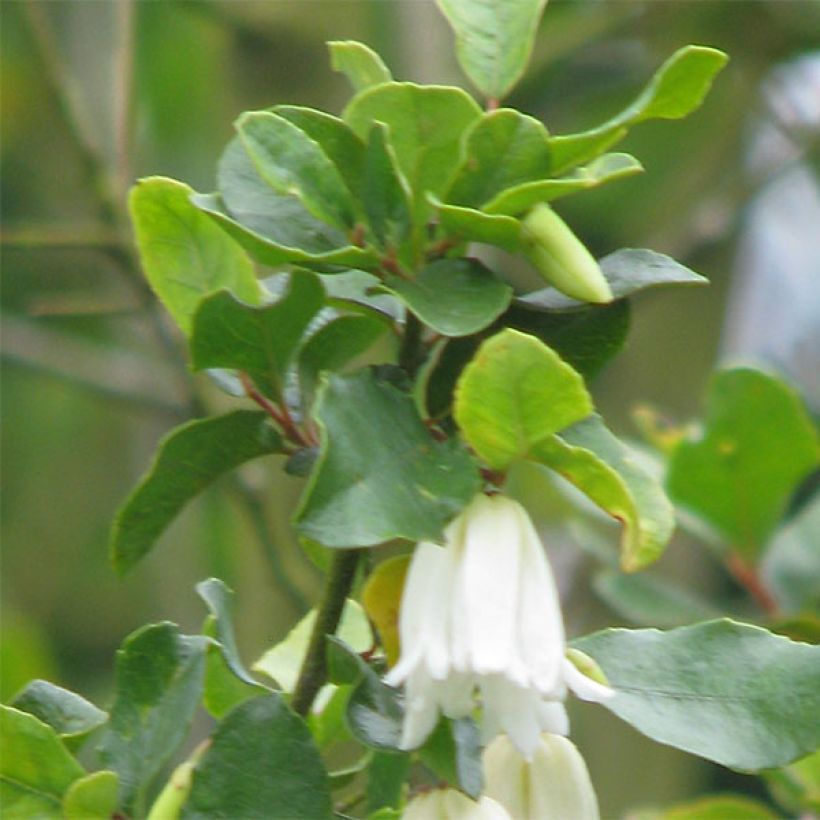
(553, 784)
(449, 804)
(484, 612)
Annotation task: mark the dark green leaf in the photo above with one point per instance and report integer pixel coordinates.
(188, 460)
(470, 225)
(515, 393)
(353, 290)
(436, 381)
(184, 255)
(293, 163)
(503, 149)
(493, 40)
(362, 493)
(70, 715)
(374, 713)
(453, 753)
(159, 681)
(261, 342)
(223, 690)
(738, 474)
(455, 297)
(386, 776)
(609, 473)
(726, 691)
(93, 797)
(360, 64)
(628, 271)
(262, 763)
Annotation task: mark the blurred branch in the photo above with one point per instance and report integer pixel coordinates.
(58, 238)
(123, 91)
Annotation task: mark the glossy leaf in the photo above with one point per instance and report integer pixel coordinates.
(738, 474)
(514, 394)
(293, 163)
(520, 198)
(628, 271)
(471, 225)
(159, 681)
(184, 255)
(355, 290)
(259, 341)
(425, 123)
(70, 715)
(359, 63)
(262, 762)
(453, 753)
(677, 88)
(493, 40)
(35, 768)
(189, 459)
(729, 692)
(502, 149)
(455, 297)
(589, 456)
(362, 493)
(93, 797)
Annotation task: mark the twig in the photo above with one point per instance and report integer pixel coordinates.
(123, 88)
(748, 578)
(338, 584)
(279, 414)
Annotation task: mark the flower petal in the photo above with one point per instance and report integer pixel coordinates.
(584, 687)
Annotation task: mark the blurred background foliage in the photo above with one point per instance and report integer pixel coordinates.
(97, 94)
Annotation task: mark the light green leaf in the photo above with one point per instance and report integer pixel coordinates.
(426, 124)
(93, 797)
(184, 255)
(362, 493)
(70, 715)
(520, 198)
(589, 456)
(628, 271)
(514, 394)
(259, 341)
(262, 762)
(713, 807)
(677, 88)
(494, 40)
(470, 225)
(359, 63)
(738, 474)
(502, 149)
(386, 776)
(729, 692)
(293, 163)
(222, 689)
(282, 662)
(35, 767)
(188, 460)
(797, 786)
(159, 678)
(455, 297)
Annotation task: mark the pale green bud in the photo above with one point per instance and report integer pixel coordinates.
(561, 258)
(171, 799)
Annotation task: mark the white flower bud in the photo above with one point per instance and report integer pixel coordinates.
(449, 804)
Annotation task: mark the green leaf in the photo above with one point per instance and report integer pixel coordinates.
(586, 338)
(362, 493)
(493, 40)
(520, 198)
(222, 689)
(628, 271)
(649, 601)
(713, 807)
(159, 679)
(188, 460)
(677, 88)
(455, 297)
(281, 219)
(359, 63)
(35, 768)
(797, 786)
(93, 797)
(272, 251)
(502, 149)
(283, 661)
(470, 225)
(729, 692)
(426, 124)
(262, 762)
(354, 290)
(738, 474)
(386, 195)
(453, 753)
(589, 456)
(293, 163)
(259, 341)
(514, 394)
(70, 715)
(386, 776)
(184, 255)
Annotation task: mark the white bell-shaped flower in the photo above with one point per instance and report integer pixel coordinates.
(449, 804)
(553, 785)
(483, 611)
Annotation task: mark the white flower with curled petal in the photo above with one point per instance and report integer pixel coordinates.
(483, 612)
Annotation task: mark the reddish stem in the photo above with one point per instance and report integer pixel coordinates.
(279, 414)
(748, 578)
